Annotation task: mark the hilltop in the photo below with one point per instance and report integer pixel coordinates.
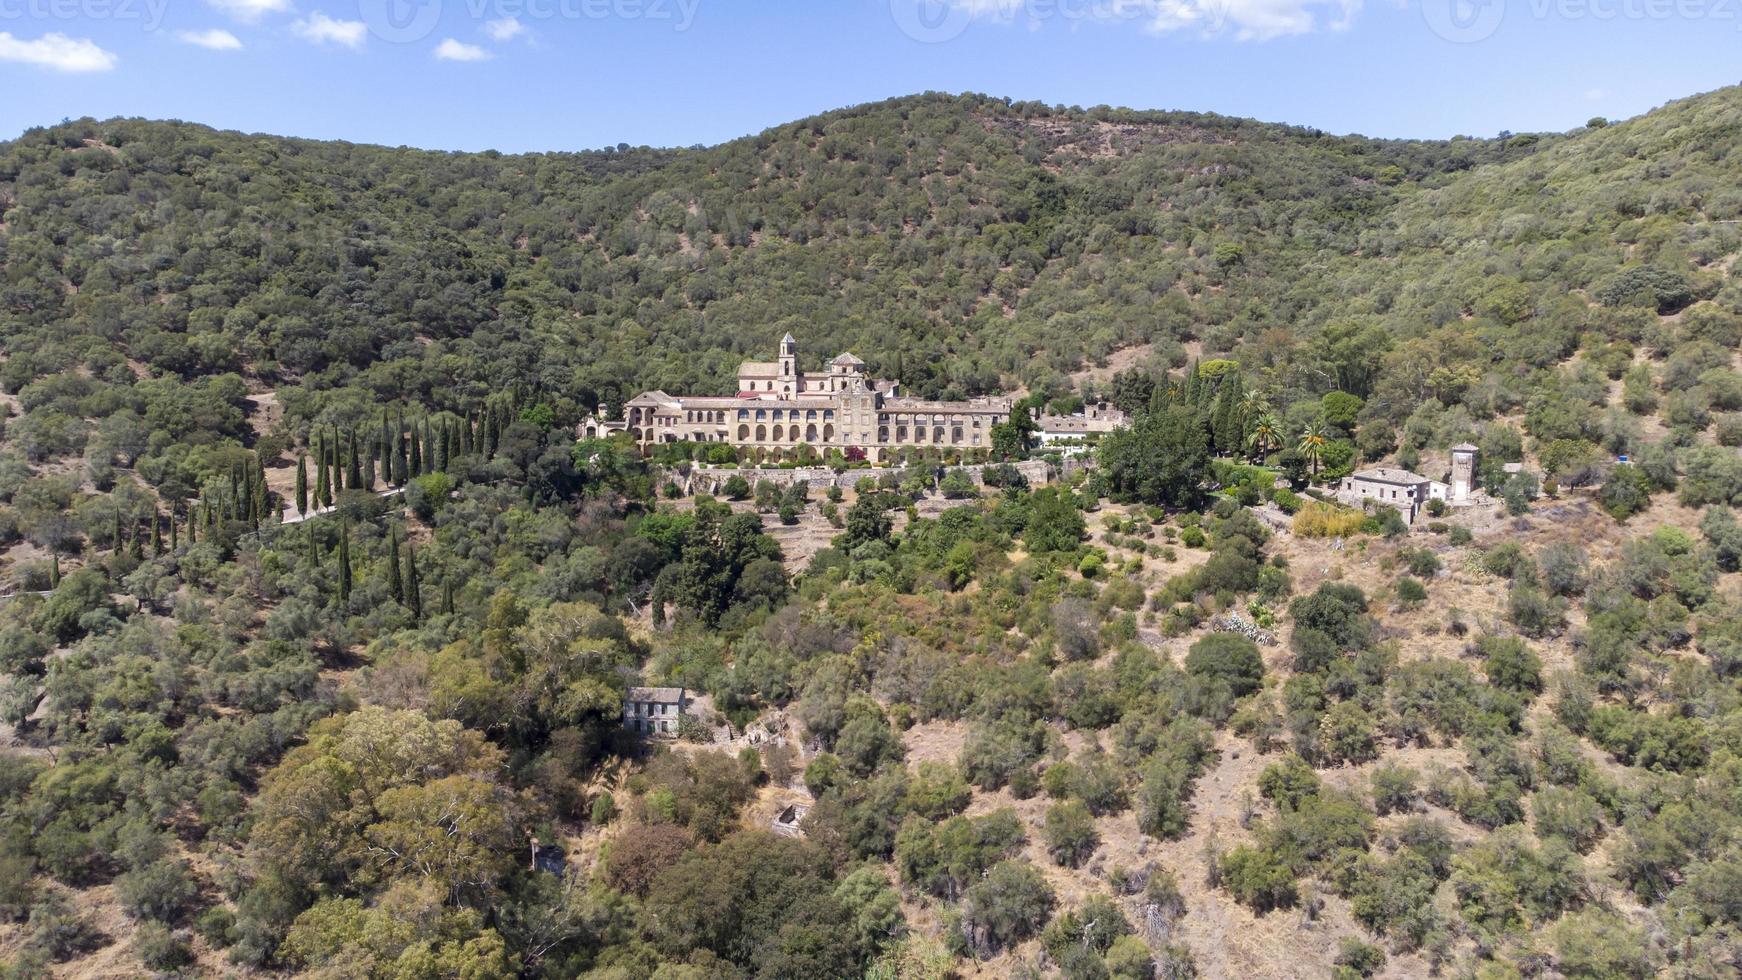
(962, 243)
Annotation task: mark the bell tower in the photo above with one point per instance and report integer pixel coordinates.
(1463, 470)
(788, 357)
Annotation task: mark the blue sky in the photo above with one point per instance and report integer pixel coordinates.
(520, 75)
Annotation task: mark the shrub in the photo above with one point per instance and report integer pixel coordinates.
(159, 890)
(1510, 664)
(1410, 592)
(1394, 789)
(1230, 658)
(1317, 519)
(1288, 783)
(604, 809)
(1257, 878)
(1070, 834)
(162, 950)
(1008, 905)
(1359, 958)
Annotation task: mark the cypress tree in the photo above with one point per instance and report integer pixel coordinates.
(395, 585)
(323, 495)
(136, 545)
(259, 504)
(344, 562)
(156, 534)
(401, 466)
(428, 449)
(118, 541)
(53, 572)
(302, 483)
(193, 525)
(354, 475)
(413, 454)
(384, 451)
(173, 543)
(447, 597)
(413, 591)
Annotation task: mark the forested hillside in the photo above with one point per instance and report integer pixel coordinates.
(316, 620)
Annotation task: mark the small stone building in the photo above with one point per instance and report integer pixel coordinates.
(654, 710)
(1396, 488)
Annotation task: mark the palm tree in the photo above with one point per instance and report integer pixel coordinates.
(1312, 445)
(1266, 434)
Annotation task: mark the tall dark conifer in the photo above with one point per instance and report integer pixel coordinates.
(395, 584)
(344, 562)
(323, 493)
(413, 591)
(302, 483)
(354, 474)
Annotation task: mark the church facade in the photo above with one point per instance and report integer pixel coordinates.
(778, 408)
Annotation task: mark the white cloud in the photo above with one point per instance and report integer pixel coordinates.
(56, 51)
(1247, 20)
(452, 50)
(321, 29)
(250, 11)
(217, 39)
(506, 29)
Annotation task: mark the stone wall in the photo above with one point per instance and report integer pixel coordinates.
(710, 479)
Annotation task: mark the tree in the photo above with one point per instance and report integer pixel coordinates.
(1070, 833)
(301, 483)
(1313, 442)
(1054, 522)
(1161, 459)
(1007, 906)
(1229, 658)
(1257, 878)
(1266, 435)
(388, 794)
(413, 588)
(867, 521)
(344, 562)
(395, 583)
(1011, 439)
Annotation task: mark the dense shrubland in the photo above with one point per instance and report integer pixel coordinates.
(327, 746)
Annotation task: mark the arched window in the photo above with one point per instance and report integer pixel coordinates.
(743, 433)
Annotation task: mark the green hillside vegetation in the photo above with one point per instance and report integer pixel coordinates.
(1176, 713)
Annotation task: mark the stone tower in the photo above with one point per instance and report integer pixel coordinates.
(1463, 470)
(788, 357)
